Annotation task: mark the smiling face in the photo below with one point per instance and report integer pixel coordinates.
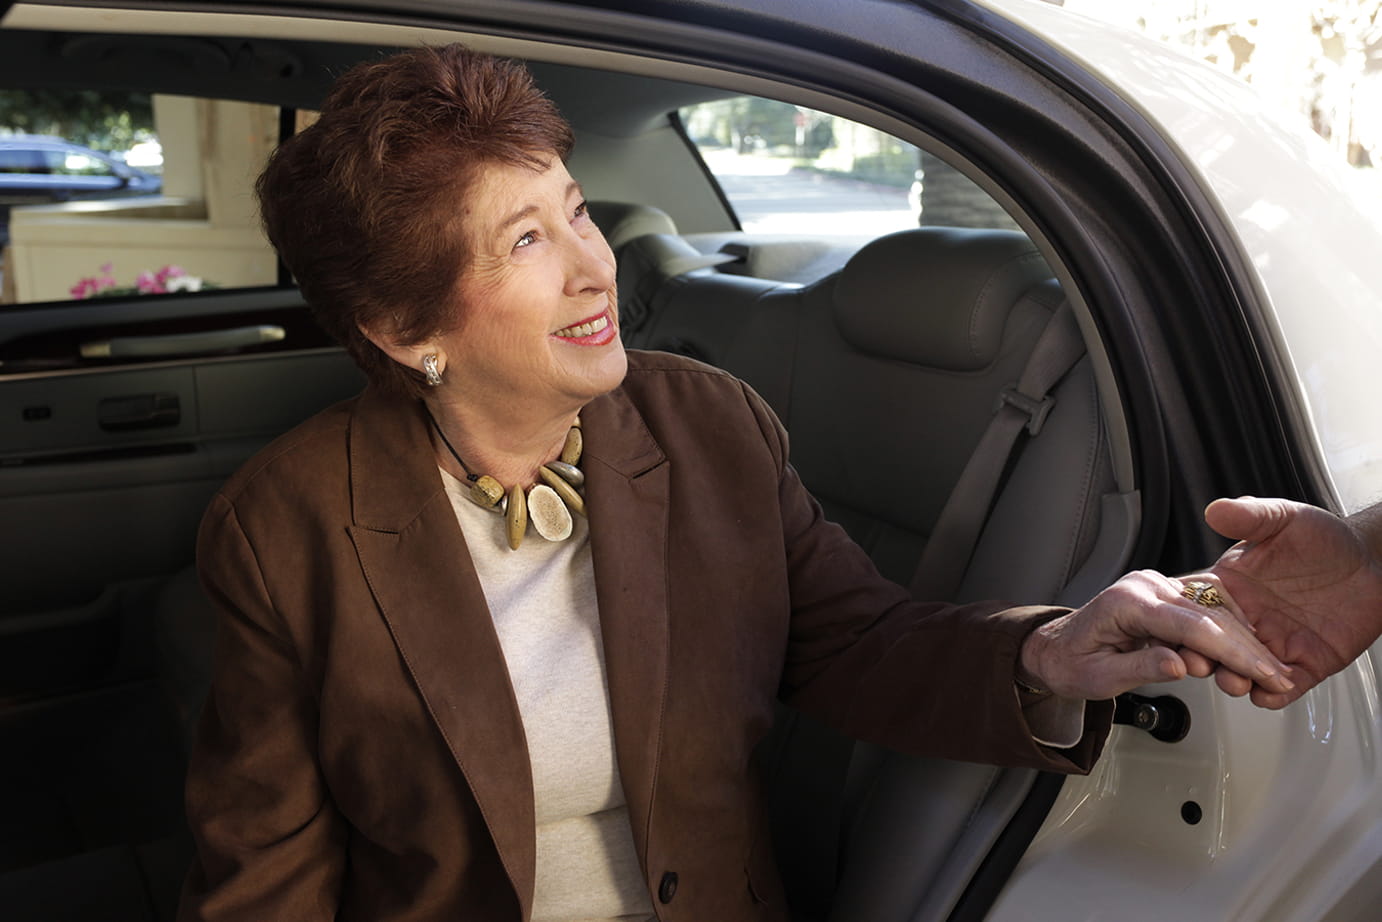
(537, 328)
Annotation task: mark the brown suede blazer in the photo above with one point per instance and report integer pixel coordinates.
(361, 756)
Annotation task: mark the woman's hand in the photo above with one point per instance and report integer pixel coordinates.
(1142, 630)
(1309, 583)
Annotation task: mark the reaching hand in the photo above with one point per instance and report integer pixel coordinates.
(1142, 629)
(1309, 582)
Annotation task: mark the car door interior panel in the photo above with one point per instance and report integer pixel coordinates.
(104, 474)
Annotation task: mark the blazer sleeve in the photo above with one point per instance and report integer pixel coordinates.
(930, 678)
(270, 844)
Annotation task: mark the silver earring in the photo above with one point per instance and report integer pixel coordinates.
(429, 369)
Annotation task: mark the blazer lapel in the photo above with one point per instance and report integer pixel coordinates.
(627, 494)
(414, 558)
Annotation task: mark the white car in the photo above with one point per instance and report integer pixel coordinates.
(1222, 280)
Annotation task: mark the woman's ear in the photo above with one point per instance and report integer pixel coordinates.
(407, 355)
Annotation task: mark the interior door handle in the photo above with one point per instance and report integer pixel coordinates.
(139, 411)
(182, 343)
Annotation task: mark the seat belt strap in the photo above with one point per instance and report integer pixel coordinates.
(1024, 405)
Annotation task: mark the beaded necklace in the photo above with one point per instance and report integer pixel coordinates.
(547, 505)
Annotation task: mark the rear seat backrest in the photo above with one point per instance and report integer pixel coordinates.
(699, 313)
(897, 361)
(653, 270)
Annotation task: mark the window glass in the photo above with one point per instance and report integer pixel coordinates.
(126, 194)
(789, 169)
(18, 160)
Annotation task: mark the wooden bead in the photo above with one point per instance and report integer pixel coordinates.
(571, 451)
(568, 472)
(517, 517)
(486, 492)
(568, 493)
(548, 513)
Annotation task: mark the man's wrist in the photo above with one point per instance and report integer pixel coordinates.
(1367, 524)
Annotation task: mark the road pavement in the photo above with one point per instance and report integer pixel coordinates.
(771, 196)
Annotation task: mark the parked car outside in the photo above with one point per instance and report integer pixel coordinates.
(1222, 273)
(38, 169)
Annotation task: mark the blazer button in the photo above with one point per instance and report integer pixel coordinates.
(668, 888)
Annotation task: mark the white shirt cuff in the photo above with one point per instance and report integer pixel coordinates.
(1055, 721)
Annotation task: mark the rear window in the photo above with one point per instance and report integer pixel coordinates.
(107, 194)
(788, 169)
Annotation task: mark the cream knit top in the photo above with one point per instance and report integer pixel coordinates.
(542, 599)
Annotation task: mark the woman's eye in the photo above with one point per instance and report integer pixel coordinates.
(526, 239)
(582, 210)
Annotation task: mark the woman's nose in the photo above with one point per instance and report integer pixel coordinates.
(591, 263)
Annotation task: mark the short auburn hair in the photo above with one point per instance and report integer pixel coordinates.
(363, 205)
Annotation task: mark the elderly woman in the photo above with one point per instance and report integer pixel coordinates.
(498, 637)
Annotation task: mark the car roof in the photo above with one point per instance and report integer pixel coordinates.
(37, 140)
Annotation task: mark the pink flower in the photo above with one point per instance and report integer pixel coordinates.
(165, 281)
(148, 283)
(166, 273)
(93, 285)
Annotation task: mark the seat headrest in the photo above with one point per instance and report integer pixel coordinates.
(938, 297)
(621, 222)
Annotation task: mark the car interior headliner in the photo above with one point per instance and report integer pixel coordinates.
(298, 73)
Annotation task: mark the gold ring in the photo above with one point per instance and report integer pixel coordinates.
(1202, 594)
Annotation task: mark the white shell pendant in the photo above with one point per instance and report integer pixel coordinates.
(548, 514)
(566, 491)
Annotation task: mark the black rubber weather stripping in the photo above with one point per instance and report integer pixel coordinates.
(993, 874)
(287, 127)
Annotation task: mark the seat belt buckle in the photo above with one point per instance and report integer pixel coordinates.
(1036, 410)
